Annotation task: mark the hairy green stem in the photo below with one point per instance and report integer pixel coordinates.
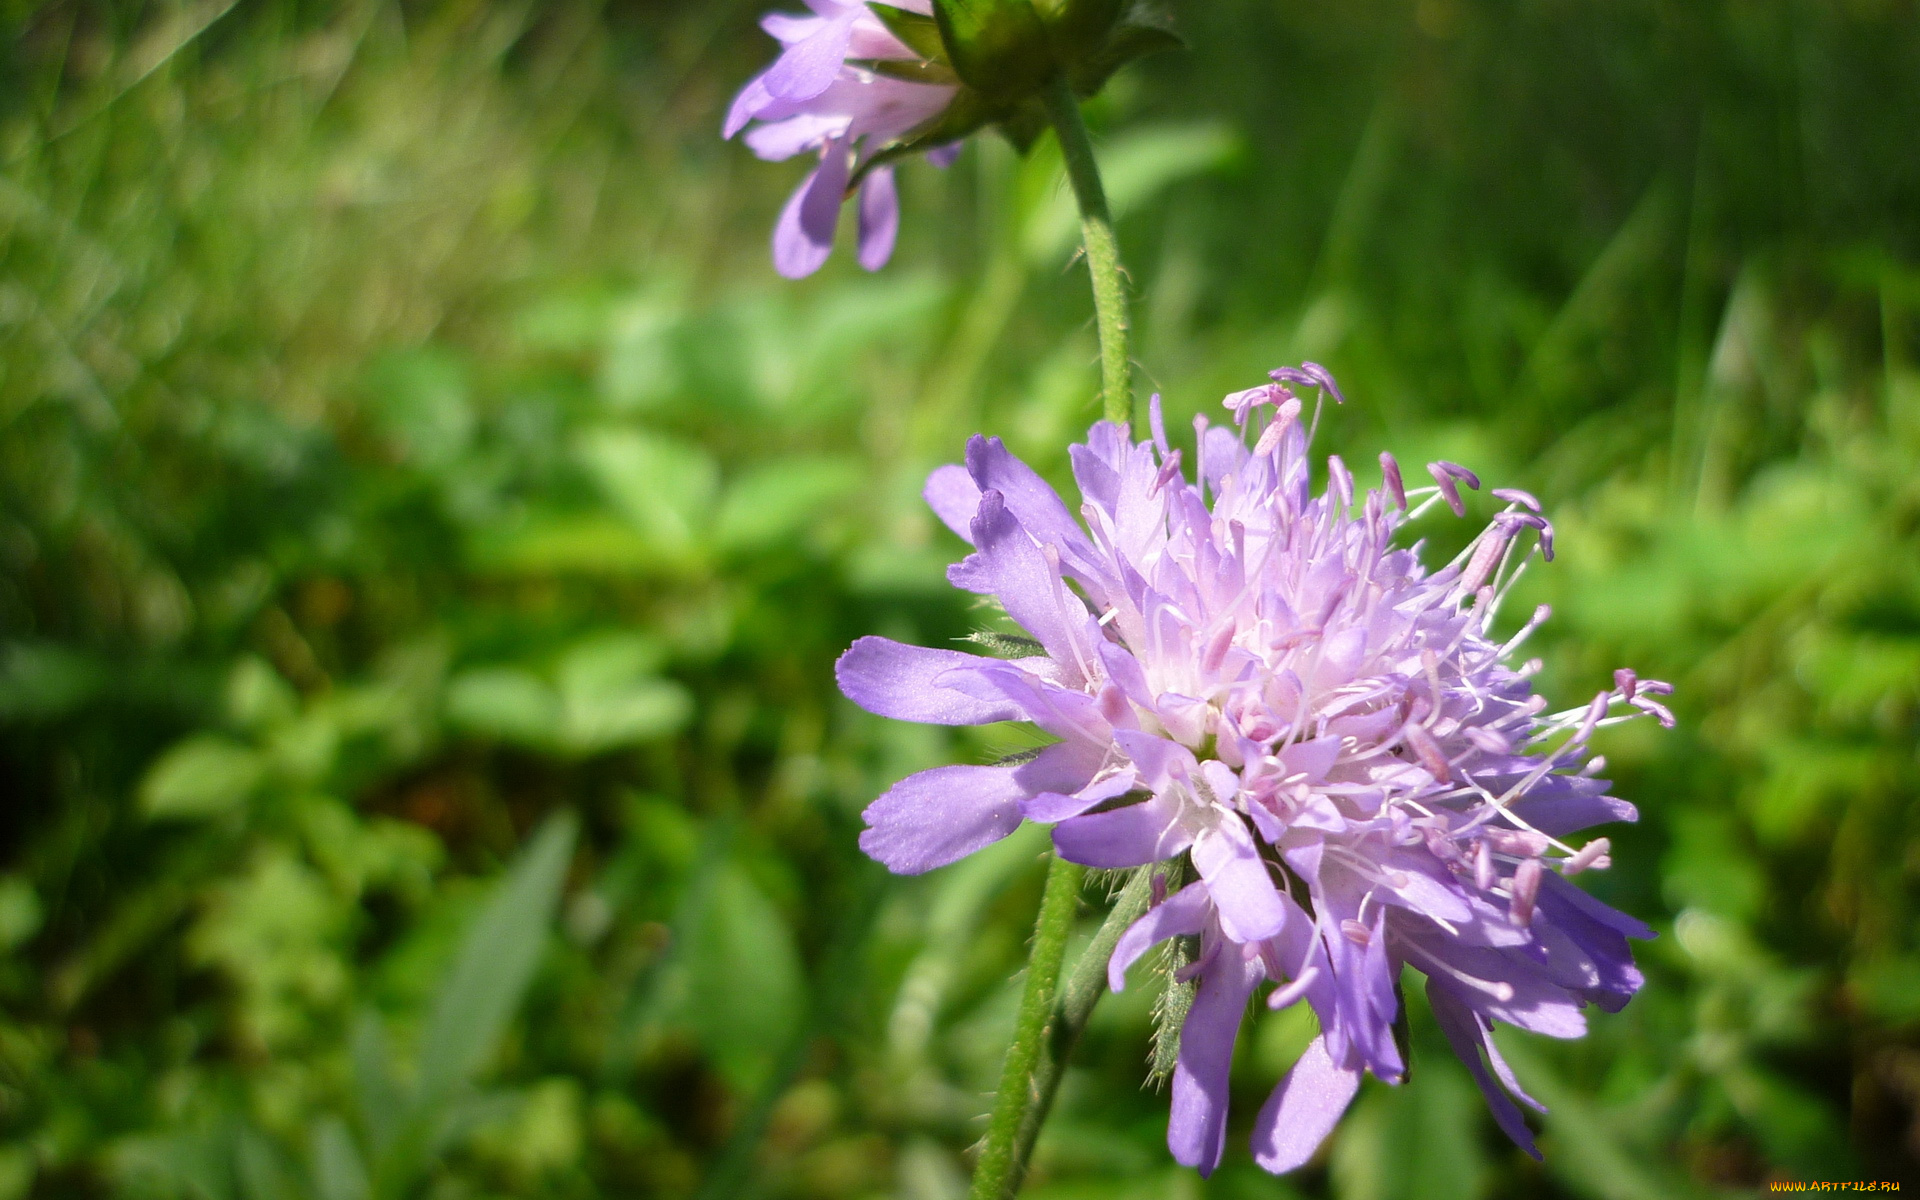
(1051, 1016)
(996, 1176)
(1103, 249)
(1034, 1066)
(1071, 1009)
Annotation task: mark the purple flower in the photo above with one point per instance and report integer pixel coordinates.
(1257, 682)
(817, 96)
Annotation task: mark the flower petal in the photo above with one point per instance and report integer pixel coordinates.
(879, 218)
(1007, 564)
(1197, 1128)
(746, 106)
(893, 679)
(1058, 806)
(780, 140)
(1465, 1034)
(954, 498)
(940, 816)
(1184, 912)
(1037, 507)
(1062, 712)
(1230, 863)
(1125, 837)
(1302, 1110)
(804, 235)
(807, 67)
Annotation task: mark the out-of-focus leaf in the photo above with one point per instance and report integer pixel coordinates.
(606, 661)
(39, 680)
(495, 963)
(422, 398)
(781, 500)
(257, 696)
(376, 1093)
(180, 1164)
(639, 711)
(260, 1171)
(274, 931)
(638, 369)
(338, 1171)
(1797, 1130)
(1415, 1142)
(1890, 989)
(1136, 166)
(747, 995)
(1583, 1150)
(20, 911)
(504, 702)
(204, 776)
(541, 1134)
(604, 695)
(664, 488)
(1709, 868)
(845, 327)
(547, 543)
(609, 698)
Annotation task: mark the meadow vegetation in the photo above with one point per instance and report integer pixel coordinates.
(427, 526)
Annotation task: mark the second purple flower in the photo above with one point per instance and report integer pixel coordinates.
(830, 93)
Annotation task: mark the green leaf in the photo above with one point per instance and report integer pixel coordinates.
(495, 964)
(999, 47)
(504, 702)
(919, 32)
(1089, 73)
(257, 697)
(1418, 1142)
(1006, 645)
(338, 1171)
(204, 776)
(1079, 27)
(609, 697)
(1588, 1155)
(663, 487)
(1137, 166)
(40, 680)
(259, 1169)
(422, 399)
(747, 993)
(636, 712)
(781, 500)
(376, 1093)
(911, 70)
(547, 542)
(20, 911)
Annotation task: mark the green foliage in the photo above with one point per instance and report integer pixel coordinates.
(428, 529)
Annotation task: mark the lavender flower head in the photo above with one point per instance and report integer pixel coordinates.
(1256, 683)
(829, 92)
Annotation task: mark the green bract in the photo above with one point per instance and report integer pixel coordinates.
(1001, 53)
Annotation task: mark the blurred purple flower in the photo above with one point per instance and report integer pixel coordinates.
(816, 98)
(1255, 678)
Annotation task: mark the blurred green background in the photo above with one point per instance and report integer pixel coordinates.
(427, 526)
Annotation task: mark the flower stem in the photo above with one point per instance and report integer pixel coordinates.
(1074, 1005)
(1103, 248)
(996, 1176)
(1051, 1017)
(1049, 1025)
